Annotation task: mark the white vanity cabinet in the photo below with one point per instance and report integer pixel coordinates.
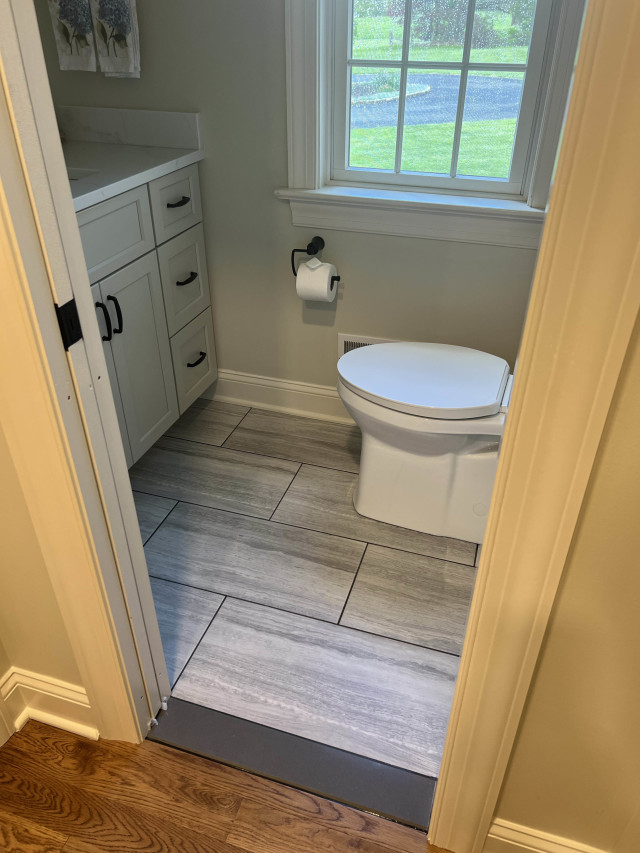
(154, 312)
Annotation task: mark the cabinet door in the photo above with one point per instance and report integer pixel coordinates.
(141, 351)
(101, 308)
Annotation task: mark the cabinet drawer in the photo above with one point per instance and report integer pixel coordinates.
(116, 232)
(183, 270)
(194, 346)
(175, 203)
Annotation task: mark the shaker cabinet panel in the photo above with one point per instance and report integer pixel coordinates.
(185, 285)
(141, 351)
(116, 232)
(106, 332)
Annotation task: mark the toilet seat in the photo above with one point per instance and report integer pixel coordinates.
(437, 381)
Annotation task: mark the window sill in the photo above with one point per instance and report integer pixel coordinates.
(464, 219)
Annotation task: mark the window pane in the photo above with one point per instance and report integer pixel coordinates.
(502, 30)
(437, 30)
(491, 109)
(378, 27)
(374, 117)
(429, 121)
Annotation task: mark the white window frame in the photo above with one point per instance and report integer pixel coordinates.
(318, 200)
(514, 185)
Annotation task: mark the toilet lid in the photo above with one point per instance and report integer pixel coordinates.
(430, 380)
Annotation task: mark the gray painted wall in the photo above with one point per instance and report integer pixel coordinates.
(226, 59)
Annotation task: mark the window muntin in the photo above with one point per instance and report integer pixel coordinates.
(437, 93)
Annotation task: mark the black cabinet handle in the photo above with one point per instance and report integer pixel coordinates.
(198, 361)
(107, 320)
(116, 304)
(192, 277)
(184, 200)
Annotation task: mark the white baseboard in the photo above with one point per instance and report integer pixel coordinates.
(31, 696)
(507, 837)
(280, 395)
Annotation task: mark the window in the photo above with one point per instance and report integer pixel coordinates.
(427, 118)
(437, 93)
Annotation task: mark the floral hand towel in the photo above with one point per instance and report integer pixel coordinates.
(117, 40)
(73, 30)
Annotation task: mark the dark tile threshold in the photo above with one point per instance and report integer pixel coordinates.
(333, 773)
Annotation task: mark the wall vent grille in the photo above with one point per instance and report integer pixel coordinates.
(346, 343)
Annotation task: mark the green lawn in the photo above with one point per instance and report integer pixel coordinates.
(485, 148)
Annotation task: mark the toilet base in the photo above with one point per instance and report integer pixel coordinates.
(444, 490)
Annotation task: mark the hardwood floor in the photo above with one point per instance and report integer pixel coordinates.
(380, 698)
(60, 793)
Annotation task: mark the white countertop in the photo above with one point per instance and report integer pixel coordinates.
(116, 168)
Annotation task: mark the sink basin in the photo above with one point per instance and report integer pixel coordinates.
(76, 174)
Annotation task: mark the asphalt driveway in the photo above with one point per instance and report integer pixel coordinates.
(487, 98)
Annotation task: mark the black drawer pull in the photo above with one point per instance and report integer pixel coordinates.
(198, 361)
(192, 277)
(116, 304)
(107, 320)
(184, 200)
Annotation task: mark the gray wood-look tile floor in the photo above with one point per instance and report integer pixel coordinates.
(298, 439)
(380, 698)
(279, 604)
(299, 570)
(152, 511)
(412, 598)
(183, 616)
(321, 499)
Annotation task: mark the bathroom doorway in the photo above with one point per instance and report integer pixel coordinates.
(250, 451)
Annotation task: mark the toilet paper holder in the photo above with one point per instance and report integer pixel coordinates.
(316, 245)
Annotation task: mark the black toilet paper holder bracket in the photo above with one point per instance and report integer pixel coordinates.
(316, 245)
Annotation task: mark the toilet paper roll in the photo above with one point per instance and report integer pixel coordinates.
(313, 282)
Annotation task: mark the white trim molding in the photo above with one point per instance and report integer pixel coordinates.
(507, 837)
(462, 219)
(279, 395)
(574, 344)
(31, 696)
(317, 201)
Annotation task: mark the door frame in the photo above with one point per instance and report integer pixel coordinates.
(91, 426)
(575, 339)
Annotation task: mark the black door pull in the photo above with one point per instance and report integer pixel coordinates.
(184, 200)
(107, 320)
(116, 304)
(192, 277)
(198, 361)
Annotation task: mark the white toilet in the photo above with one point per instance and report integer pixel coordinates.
(432, 418)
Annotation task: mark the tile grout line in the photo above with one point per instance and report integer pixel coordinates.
(149, 538)
(311, 529)
(284, 494)
(353, 583)
(195, 648)
(302, 616)
(248, 412)
(255, 453)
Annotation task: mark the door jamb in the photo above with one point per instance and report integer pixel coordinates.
(92, 428)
